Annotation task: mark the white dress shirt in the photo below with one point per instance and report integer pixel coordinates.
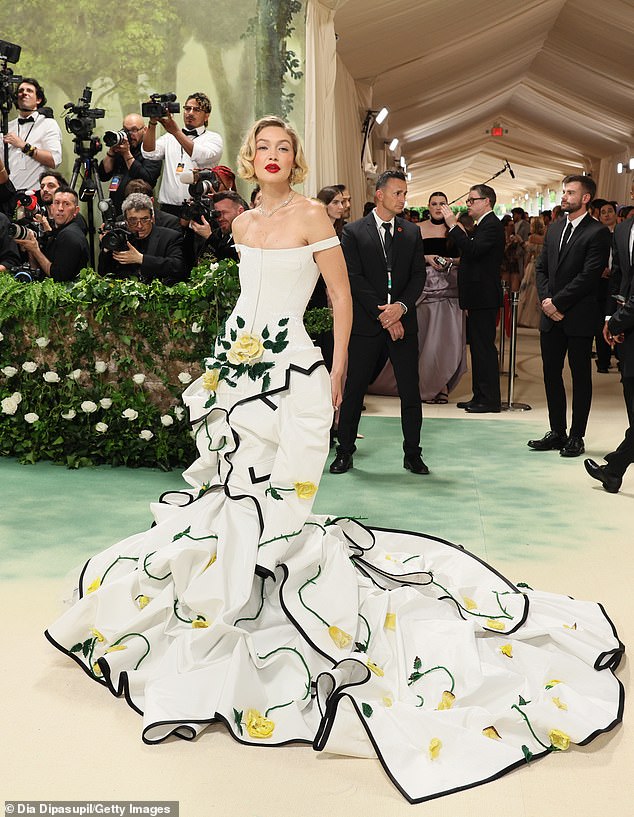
(206, 153)
(42, 133)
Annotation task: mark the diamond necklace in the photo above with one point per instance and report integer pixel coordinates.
(279, 206)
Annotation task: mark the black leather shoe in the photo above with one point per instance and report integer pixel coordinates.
(553, 441)
(415, 464)
(573, 448)
(610, 482)
(482, 408)
(464, 403)
(341, 464)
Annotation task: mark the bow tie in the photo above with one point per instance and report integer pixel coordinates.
(190, 132)
(24, 121)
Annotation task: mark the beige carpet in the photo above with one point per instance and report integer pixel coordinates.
(65, 738)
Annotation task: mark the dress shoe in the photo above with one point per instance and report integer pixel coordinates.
(482, 408)
(341, 464)
(610, 482)
(603, 370)
(573, 448)
(464, 403)
(415, 464)
(552, 441)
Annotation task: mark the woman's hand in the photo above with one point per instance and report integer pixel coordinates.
(336, 379)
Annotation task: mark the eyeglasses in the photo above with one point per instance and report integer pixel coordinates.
(134, 222)
(478, 198)
(134, 130)
(192, 108)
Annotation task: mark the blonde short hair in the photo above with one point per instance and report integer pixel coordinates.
(246, 154)
(537, 226)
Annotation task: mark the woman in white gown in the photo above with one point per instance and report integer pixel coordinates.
(241, 607)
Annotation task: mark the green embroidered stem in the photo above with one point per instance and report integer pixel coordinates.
(471, 612)
(186, 535)
(186, 620)
(131, 635)
(528, 723)
(433, 669)
(317, 525)
(422, 701)
(287, 536)
(369, 631)
(497, 596)
(299, 593)
(147, 572)
(409, 558)
(301, 658)
(237, 621)
(119, 559)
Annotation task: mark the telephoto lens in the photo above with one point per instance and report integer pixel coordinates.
(112, 138)
(19, 231)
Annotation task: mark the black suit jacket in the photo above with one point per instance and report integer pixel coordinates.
(141, 168)
(622, 283)
(367, 270)
(481, 255)
(571, 279)
(162, 258)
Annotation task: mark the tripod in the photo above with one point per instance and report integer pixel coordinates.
(85, 168)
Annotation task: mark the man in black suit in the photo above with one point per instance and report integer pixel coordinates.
(619, 328)
(386, 265)
(152, 252)
(568, 272)
(480, 293)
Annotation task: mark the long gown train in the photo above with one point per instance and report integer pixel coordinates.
(240, 606)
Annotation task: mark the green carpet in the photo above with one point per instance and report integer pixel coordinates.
(486, 490)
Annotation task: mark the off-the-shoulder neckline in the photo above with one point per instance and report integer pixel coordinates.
(286, 249)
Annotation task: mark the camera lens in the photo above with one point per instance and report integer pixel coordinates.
(18, 231)
(114, 137)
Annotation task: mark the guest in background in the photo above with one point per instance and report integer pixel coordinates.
(529, 309)
(607, 217)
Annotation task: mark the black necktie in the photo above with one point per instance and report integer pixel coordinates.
(567, 233)
(387, 241)
(193, 133)
(24, 121)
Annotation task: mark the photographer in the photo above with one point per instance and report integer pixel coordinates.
(50, 182)
(7, 191)
(34, 140)
(181, 150)
(124, 160)
(219, 242)
(64, 250)
(150, 252)
(161, 219)
(9, 254)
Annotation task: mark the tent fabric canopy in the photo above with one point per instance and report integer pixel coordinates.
(558, 75)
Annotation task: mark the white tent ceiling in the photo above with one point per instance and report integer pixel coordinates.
(557, 74)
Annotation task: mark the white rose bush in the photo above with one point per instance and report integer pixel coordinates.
(102, 365)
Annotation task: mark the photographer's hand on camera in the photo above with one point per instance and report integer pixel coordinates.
(129, 256)
(202, 229)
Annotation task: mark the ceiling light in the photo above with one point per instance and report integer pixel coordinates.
(409, 177)
(381, 116)
(394, 144)
(403, 162)
(619, 167)
(632, 163)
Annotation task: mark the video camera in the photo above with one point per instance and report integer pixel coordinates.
(202, 184)
(27, 207)
(9, 82)
(115, 234)
(80, 121)
(160, 105)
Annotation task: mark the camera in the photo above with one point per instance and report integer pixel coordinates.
(27, 207)
(160, 105)
(26, 275)
(202, 184)
(80, 120)
(112, 138)
(115, 234)
(9, 82)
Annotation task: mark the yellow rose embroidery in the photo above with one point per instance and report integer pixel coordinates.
(469, 603)
(494, 624)
(569, 627)
(117, 647)
(559, 704)
(97, 670)
(93, 586)
(211, 561)
(560, 740)
(246, 349)
(305, 490)
(446, 702)
(199, 624)
(491, 732)
(553, 683)
(143, 601)
(257, 725)
(435, 745)
(97, 635)
(387, 701)
(341, 638)
(507, 650)
(390, 621)
(375, 669)
(210, 379)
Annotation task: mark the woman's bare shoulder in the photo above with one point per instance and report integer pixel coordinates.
(240, 225)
